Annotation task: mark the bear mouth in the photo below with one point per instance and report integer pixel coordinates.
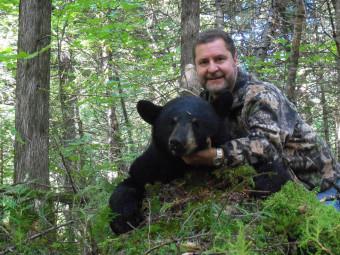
(180, 150)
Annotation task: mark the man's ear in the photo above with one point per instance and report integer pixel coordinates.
(148, 111)
(223, 103)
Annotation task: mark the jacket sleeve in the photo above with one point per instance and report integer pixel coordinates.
(269, 119)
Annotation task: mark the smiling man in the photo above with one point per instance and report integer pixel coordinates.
(216, 66)
(264, 124)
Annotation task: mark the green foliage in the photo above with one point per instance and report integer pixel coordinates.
(194, 214)
(239, 177)
(22, 222)
(20, 218)
(242, 246)
(317, 229)
(185, 218)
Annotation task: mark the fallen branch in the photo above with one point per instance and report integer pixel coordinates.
(11, 248)
(177, 240)
(330, 198)
(192, 213)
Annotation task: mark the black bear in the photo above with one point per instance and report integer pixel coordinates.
(180, 127)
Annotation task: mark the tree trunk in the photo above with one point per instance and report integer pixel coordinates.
(190, 25)
(295, 52)
(31, 147)
(278, 8)
(68, 112)
(325, 114)
(219, 14)
(112, 121)
(336, 34)
(262, 48)
(2, 165)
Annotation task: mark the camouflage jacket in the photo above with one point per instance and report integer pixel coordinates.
(265, 125)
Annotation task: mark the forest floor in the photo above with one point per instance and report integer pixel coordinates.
(207, 217)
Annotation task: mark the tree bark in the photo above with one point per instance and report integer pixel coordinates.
(278, 7)
(262, 48)
(31, 147)
(295, 52)
(2, 168)
(325, 114)
(219, 14)
(190, 25)
(336, 35)
(68, 112)
(114, 142)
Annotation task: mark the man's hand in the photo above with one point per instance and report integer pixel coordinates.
(204, 157)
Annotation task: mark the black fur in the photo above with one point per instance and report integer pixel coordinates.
(180, 127)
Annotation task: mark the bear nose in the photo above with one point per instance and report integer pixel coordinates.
(176, 144)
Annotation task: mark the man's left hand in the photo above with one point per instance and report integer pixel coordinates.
(203, 157)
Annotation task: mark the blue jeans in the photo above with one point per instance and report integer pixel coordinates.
(330, 191)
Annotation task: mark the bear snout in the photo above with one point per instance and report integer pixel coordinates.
(182, 141)
(177, 146)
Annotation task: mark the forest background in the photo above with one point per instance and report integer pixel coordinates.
(69, 129)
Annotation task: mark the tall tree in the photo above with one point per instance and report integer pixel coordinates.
(295, 51)
(277, 7)
(190, 21)
(108, 72)
(219, 14)
(336, 35)
(31, 148)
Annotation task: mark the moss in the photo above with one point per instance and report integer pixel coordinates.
(200, 218)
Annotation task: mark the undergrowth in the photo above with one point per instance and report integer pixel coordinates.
(194, 215)
(209, 218)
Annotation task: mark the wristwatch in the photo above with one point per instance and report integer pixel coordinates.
(218, 160)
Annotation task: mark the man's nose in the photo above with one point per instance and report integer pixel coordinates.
(212, 67)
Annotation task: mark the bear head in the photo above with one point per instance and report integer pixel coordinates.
(183, 125)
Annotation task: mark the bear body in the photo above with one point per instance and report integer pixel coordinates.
(181, 127)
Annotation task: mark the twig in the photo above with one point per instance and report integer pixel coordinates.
(192, 213)
(11, 248)
(149, 223)
(176, 240)
(68, 171)
(257, 191)
(258, 216)
(330, 198)
(321, 246)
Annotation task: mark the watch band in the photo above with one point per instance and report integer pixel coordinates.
(218, 160)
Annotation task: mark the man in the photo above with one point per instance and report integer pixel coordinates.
(264, 124)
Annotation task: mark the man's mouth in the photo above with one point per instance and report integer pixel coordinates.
(214, 80)
(216, 76)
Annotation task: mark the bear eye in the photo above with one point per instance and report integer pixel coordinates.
(173, 122)
(195, 123)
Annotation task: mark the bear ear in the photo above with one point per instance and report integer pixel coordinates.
(148, 111)
(222, 104)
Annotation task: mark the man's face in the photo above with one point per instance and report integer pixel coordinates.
(216, 67)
